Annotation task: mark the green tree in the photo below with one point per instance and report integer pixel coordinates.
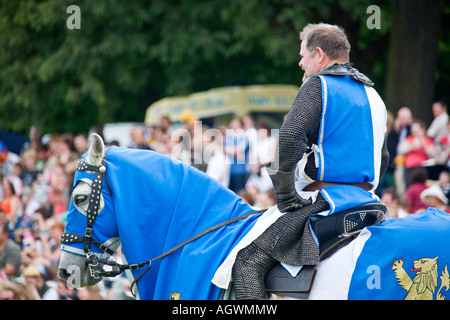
(128, 54)
(67, 80)
(413, 56)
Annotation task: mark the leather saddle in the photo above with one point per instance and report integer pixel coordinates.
(333, 232)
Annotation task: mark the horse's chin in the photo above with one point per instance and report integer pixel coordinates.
(74, 270)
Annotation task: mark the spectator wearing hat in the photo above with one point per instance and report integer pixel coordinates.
(434, 197)
(34, 279)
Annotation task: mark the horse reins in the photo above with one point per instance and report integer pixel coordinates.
(93, 260)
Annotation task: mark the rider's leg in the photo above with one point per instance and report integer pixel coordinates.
(280, 242)
(249, 271)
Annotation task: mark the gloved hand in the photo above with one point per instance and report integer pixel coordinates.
(288, 199)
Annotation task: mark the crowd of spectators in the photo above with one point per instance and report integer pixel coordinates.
(34, 198)
(418, 172)
(36, 185)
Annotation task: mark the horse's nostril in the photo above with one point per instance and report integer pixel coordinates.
(63, 274)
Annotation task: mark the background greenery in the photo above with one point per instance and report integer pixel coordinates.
(129, 54)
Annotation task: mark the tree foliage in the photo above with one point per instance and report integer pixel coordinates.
(413, 56)
(128, 54)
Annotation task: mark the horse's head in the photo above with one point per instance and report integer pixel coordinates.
(91, 229)
(159, 202)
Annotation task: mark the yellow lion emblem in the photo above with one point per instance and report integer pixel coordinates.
(424, 284)
(175, 296)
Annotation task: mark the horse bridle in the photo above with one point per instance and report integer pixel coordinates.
(95, 263)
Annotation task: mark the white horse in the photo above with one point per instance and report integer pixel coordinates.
(149, 203)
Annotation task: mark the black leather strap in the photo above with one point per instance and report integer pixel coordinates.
(70, 238)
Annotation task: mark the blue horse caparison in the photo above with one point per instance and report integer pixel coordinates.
(158, 202)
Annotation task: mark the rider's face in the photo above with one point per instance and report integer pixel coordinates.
(309, 61)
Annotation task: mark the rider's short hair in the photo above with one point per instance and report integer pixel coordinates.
(330, 38)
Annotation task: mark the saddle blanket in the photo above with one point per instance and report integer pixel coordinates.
(414, 261)
(405, 258)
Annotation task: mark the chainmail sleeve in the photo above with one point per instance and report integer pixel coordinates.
(301, 128)
(384, 159)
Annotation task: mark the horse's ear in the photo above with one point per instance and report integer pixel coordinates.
(96, 150)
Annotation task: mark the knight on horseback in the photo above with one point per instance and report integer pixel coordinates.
(331, 150)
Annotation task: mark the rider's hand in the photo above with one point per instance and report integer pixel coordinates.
(288, 202)
(288, 199)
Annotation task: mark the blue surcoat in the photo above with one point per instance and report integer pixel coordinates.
(349, 146)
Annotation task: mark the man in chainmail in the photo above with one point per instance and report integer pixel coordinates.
(332, 143)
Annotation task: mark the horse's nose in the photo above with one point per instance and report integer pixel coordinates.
(72, 279)
(63, 274)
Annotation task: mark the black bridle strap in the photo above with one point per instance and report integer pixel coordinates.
(93, 207)
(69, 238)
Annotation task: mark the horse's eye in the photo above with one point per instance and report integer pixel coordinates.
(80, 199)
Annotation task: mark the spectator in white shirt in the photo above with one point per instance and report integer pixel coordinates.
(438, 128)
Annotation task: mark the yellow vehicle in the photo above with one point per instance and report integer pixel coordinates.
(217, 106)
